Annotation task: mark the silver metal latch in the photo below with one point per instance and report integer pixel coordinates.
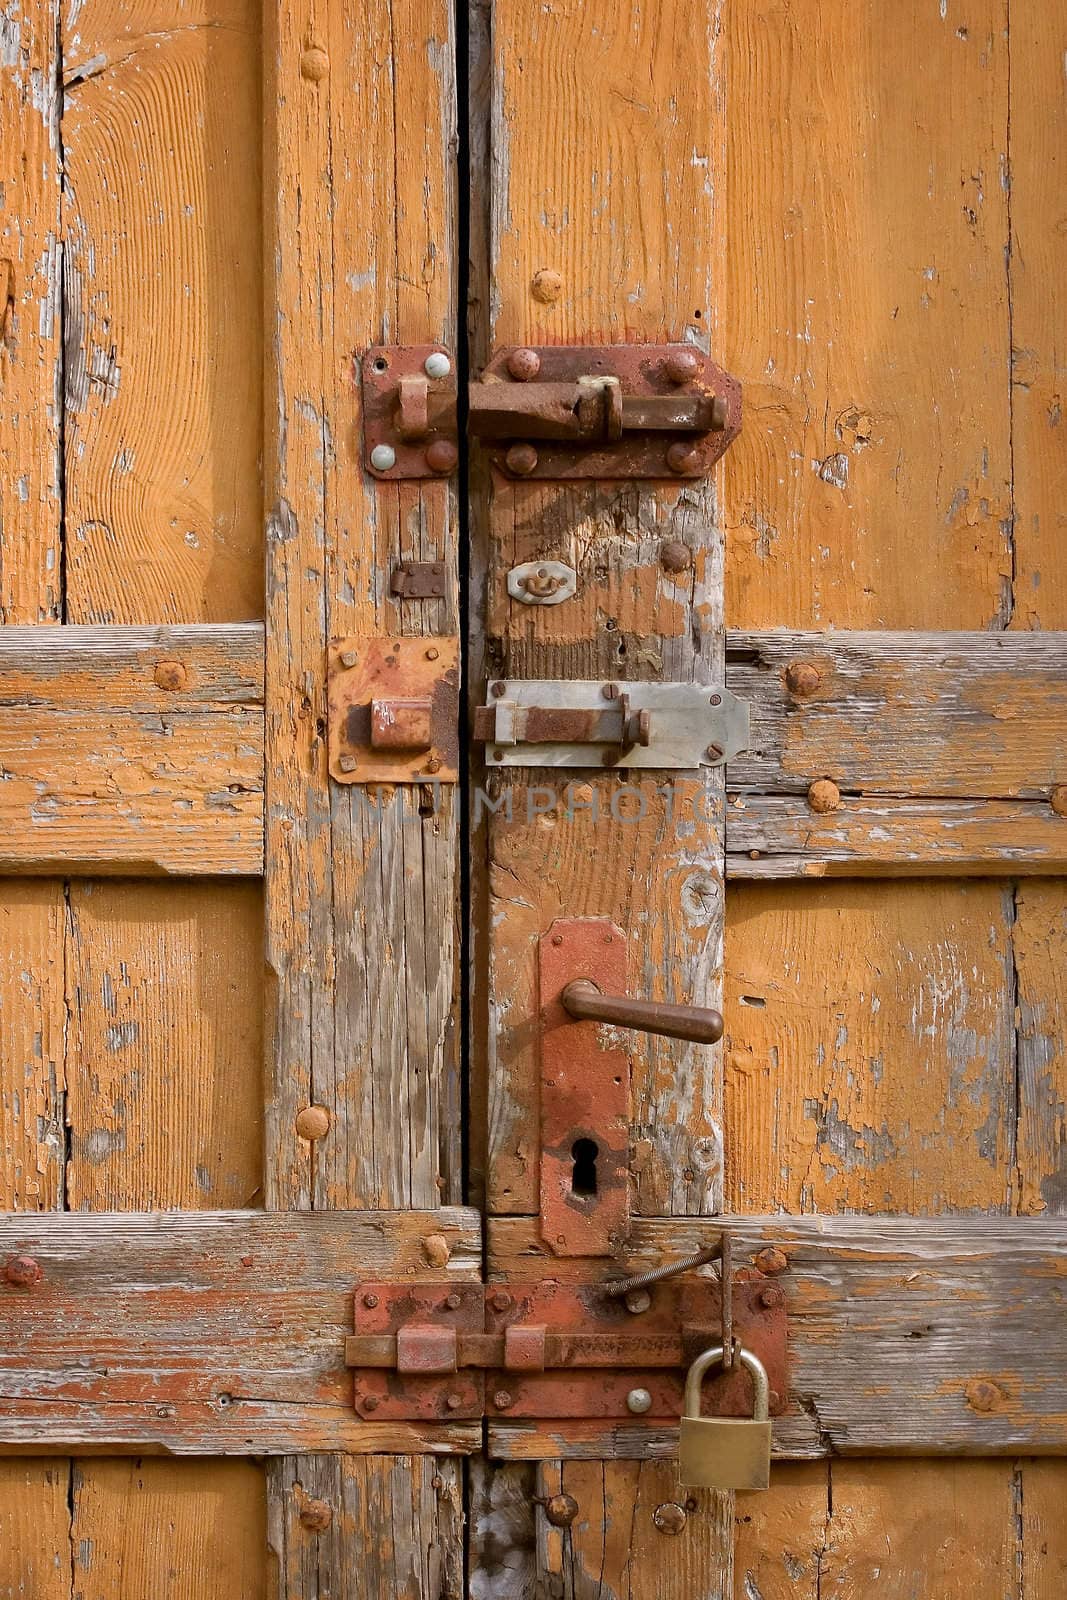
(535, 722)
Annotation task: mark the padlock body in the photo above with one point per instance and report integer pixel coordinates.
(724, 1453)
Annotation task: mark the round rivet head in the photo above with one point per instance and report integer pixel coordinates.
(1058, 799)
(436, 1249)
(681, 366)
(521, 459)
(441, 456)
(383, 457)
(313, 1122)
(770, 1296)
(370, 1301)
(637, 1301)
(674, 556)
(824, 795)
(561, 1510)
(524, 365)
(314, 65)
(639, 1401)
(771, 1260)
(22, 1272)
(670, 1517)
(170, 675)
(684, 460)
(802, 678)
(500, 1300)
(502, 1399)
(547, 286)
(316, 1516)
(437, 365)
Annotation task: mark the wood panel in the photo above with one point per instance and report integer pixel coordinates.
(1039, 941)
(32, 1054)
(34, 1530)
(1037, 271)
(30, 315)
(869, 1048)
(162, 329)
(202, 1333)
(169, 1529)
(131, 750)
(866, 312)
(907, 1336)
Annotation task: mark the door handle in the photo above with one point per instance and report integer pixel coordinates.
(582, 1000)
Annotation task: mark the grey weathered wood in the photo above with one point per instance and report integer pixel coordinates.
(205, 1332)
(131, 750)
(971, 715)
(907, 1335)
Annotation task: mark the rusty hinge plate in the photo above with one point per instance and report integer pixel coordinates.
(551, 1350)
(570, 412)
(418, 580)
(393, 709)
(409, 412)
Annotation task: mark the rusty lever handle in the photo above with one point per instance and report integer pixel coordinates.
(584, 1001)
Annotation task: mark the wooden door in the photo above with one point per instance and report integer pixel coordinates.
(208, 214)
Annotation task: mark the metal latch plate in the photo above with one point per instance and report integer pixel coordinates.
(409, 411)
(689, 725)
(393, 709)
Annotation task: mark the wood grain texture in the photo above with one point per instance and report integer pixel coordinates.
(138, 751)
(164, 1046)
(32, 1053)
(869, 1048)
(908, 1336)
(780, 1536)
(866, 312)
(1039, 941)
(34, 1530)
(1037, 271)
(973, 715)
(1042, 1486)
(205, 1333)
(169, 1529)
(30, 325)
(162, 330)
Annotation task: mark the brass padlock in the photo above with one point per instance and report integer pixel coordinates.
(725, 1452)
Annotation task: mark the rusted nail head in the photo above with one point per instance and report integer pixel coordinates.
(23, 1272)
(715, 700)
(348, 658)
(441, 456)
(521, 459)
(502, 1399)
(171, 675)
(313, 1123)
(453, 1301)
(770, 1296)
(983, 1394)
(824, 795)
(670, 1517)
(453, 1401)
(500, 1300)
(370, 1301)
(371, 1402)
(637, 1301)
(561, 1510)
(714, 752)
(315, 1515)
(347, 763)
(771, 1260)
(436, 1249)
(523, 365)
(681, 366)
(1058, 799)
(433, 765)
(497, 689)
(547, 286)
(802, 678)
(674, 556)
(683, 459)
(432, 653)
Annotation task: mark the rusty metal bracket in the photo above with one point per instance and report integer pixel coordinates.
(393, 710)
(585, 1095)
(551, 1350)
(409, 411)
(615, 411)
(418, 580)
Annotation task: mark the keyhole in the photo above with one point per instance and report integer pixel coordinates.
(583, 1178)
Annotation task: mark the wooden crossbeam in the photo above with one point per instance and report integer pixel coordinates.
(140, 751)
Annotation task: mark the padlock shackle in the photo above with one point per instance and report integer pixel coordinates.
(761, 1388)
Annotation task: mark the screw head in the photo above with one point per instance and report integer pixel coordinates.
(824, 795)
(684, 460)
(524, 365)
(670, 1517)
(453, 1401)
(610, 691)
(441, 456)
(500, 1300)
(370, 1301)
(22, 1272)
(348, 658)
(502, 1399)
(714, 752)
(433, 765)
(521, 460)
(770, 1297)
(802, 678)
(313, 1123)
(561, 1510)
(347, 763)
(637, 1301)
(437, 365)
(681, 366)
(639, 1401)
(371, 1402)
(432, 653)
(383, 457)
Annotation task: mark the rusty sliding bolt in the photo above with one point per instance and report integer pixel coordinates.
(583, 1000)
(589, 410)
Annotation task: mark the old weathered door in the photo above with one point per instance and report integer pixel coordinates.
(210, 215)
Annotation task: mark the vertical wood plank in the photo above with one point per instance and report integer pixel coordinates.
(175, 1530)
(35, 1551)
(866, 313)
(1042, 1491)
(32, 1058)
(163, 273)
(780, 1536)
(1037, 274)
(30, 320)
(1039, 939)
(360, 900)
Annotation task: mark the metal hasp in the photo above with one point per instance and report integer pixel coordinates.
(539, 722)
(556, 1350)
(615, 411)
(393, 710)
(409, 412)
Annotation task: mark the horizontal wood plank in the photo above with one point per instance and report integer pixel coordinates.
(206, 1332)
(131, 750)
(907, 1336)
